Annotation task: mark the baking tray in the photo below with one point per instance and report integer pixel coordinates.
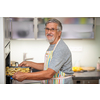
(17, 67)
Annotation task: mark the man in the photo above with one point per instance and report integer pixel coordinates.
(57, 68)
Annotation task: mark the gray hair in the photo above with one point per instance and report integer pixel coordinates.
(52, 20)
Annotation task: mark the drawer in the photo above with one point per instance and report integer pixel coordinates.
(86, 81)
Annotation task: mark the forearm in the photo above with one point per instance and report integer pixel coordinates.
(42, 75)
(38, 66)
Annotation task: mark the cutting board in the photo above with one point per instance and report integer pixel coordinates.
(88, 68)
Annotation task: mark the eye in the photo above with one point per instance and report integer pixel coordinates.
(52, 29)
(47, 28)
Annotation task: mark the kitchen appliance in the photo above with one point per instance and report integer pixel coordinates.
(7, 63)
(10, 70)
(5, 32)
(26, 81)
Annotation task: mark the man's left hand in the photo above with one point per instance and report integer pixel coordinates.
(19, 76)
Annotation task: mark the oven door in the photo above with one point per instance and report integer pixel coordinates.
(26, 82)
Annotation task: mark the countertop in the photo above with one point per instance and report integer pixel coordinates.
(90, 75)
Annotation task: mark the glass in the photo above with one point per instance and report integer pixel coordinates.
(22, 28)
(72, 27)
(52, 29)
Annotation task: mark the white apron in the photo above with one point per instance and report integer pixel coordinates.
(59, 77)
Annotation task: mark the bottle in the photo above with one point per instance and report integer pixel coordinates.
(98, 64)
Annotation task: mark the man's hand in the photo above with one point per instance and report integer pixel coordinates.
(26, 63)
(19, 76)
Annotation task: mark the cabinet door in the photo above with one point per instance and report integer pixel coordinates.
(22, 28)
(86, 81)
(72, 28)
(40, 27)
(77, 82)
(77, 28)
(7, 30)
(90, 81)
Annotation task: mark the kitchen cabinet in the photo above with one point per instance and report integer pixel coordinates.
(86, 81)
(22, 28)
(7, 31)
(7, 35)
(78, 28)
(40, 27)
(89, 77)
(73, 28)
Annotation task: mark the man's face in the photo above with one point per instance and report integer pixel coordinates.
(51, 32)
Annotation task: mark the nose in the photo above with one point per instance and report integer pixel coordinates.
(49, 31)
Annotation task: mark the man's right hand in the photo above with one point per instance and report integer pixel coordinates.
(26, 64)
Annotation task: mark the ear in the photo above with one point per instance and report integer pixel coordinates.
(59, 33)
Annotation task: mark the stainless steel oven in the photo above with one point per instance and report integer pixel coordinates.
(26, 82)
(7, 62)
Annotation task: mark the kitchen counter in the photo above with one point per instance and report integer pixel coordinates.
(90, 75)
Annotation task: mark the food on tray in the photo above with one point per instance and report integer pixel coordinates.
(11, 71)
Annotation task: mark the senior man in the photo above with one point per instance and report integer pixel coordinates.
(57, 67)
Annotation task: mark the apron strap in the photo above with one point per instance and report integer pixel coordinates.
(62, 77)
(56, 45)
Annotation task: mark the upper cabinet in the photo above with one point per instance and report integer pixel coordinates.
(7, 32)
(40, 27)
(72, 28)
(22, 28)
(78, 28)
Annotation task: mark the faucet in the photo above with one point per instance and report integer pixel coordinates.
(24, 57)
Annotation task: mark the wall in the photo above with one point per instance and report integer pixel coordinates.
(36, 49)
(2, 61)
